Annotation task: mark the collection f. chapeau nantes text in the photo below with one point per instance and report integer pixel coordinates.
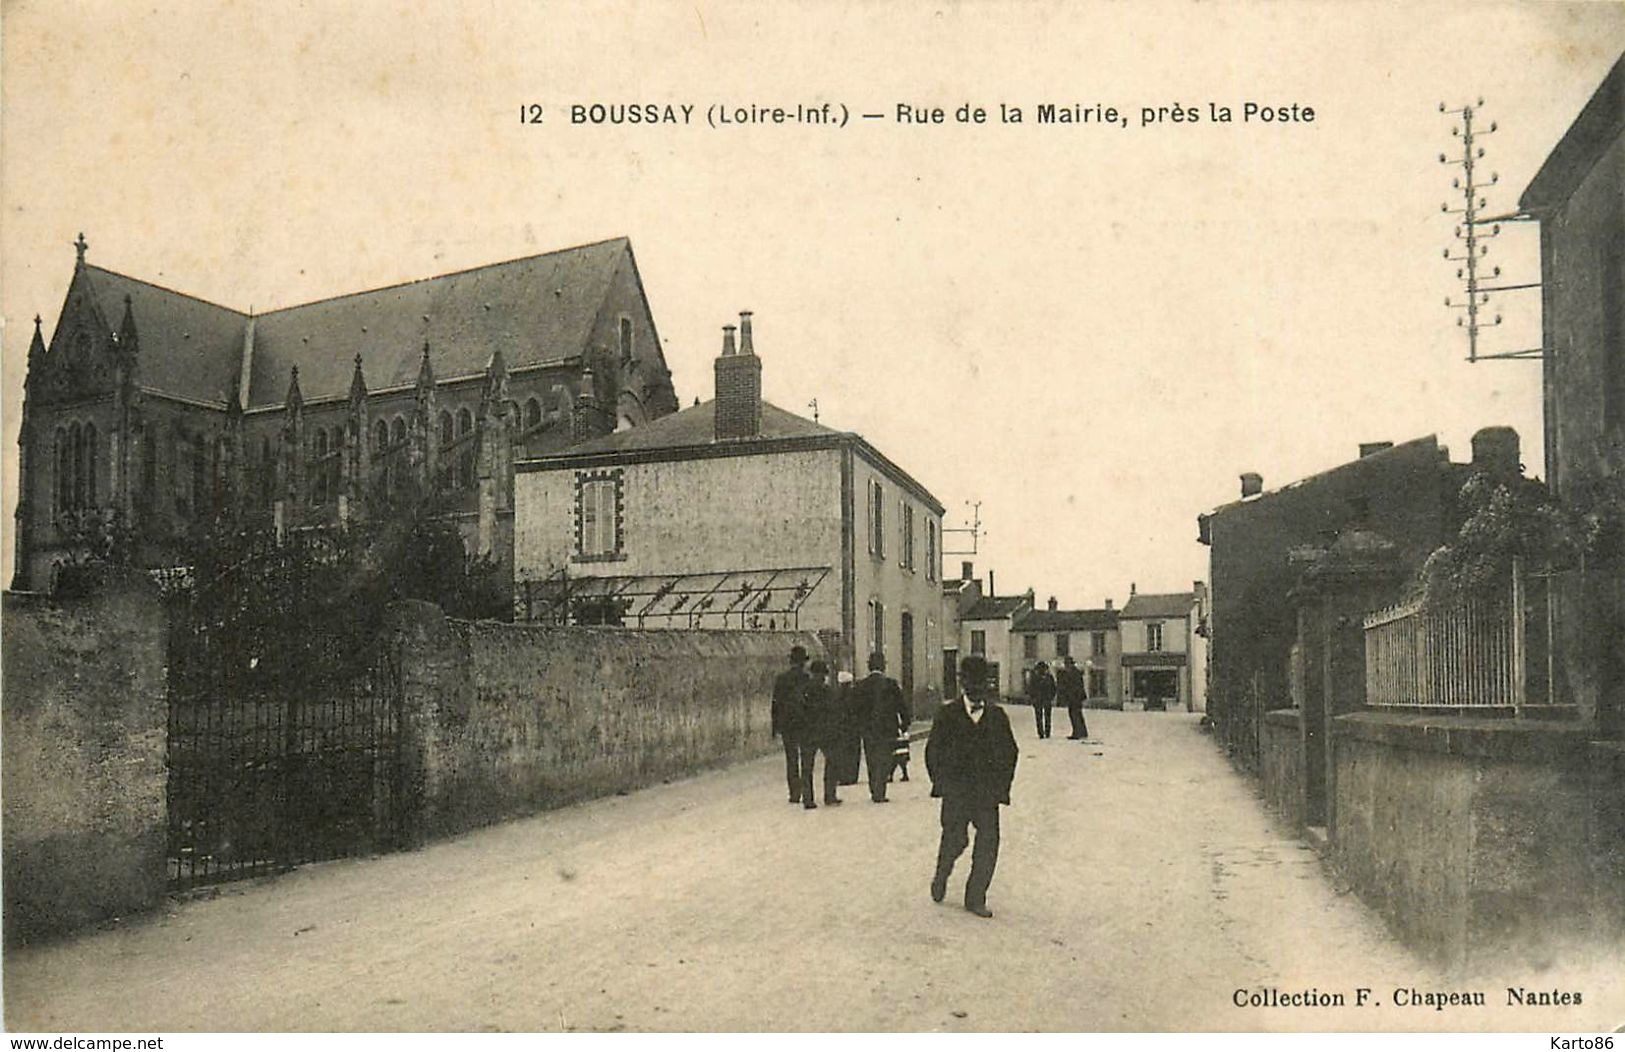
(1400, 997)
(917, 115)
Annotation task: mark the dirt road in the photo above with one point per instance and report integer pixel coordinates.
(1141, 885)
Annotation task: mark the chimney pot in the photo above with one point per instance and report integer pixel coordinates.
(745, 345)
(1108, 603)
(1052, 603)
(1252, 484)
(966, 570)
(737, 409)
(990, 584)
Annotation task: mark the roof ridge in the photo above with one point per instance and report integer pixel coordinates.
(165, 288)
(447, 274)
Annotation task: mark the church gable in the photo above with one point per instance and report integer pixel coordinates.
(81, 361)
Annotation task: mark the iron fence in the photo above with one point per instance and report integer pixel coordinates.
(1490, 654)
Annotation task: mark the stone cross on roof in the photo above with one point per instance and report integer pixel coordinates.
(79, 246)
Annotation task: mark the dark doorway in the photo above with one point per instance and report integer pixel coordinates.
(907, 671)
(1156, 687)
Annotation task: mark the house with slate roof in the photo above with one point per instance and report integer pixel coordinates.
(163, 409)
(1090, 637)
(985, 631)
(1164, 640)
(736, 514)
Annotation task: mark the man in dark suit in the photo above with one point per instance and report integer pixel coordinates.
(1069, 685)
(820, 732)
(883, 715)
(971, 758)
(788, 689)
(1041, 692)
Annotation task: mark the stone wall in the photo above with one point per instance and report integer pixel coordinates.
(1477, 839)
(503, 720)
(1281, 764)
(82, 759)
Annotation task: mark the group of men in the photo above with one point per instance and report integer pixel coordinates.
(838, 721)
(1044, 687)
(970, 755)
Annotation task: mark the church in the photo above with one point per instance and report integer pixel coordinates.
(157, 410)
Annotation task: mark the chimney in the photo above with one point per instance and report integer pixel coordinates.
(1133, 589)
(990, 592)
(1368, 448)
(1052, 604)
(1031, 597)
(966, 570)
(1252, 484)
(1108, 603)
(1495, 451)
(737, 411)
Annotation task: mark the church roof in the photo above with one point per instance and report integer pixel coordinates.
(202, 342)
(537, 309)
(694, 426)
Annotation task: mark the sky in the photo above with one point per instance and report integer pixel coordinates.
(1090, 330)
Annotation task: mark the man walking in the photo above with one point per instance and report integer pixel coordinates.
(820, 729)
(1041, 692)
(1069, 685)
(971, 758)
(788, 688)
(883, 714)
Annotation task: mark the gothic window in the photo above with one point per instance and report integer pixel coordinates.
(380, 436)
(222, 460)
(149, 465)
(397, 431)
(62, 474)
(76, 471)
(626, 339)
(446, 434)
(318, 489)
(533, 412)
(465, 460)
(91, 465)
(267, 474)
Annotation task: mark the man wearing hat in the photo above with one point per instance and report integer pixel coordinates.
(882, 715)
(971, 758)
(788, 690)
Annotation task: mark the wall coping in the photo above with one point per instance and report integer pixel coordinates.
(1524, 741)
(1285, 718)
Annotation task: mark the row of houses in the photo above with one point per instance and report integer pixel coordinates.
(1152, 653)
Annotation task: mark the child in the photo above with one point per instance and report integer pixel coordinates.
(899, 755)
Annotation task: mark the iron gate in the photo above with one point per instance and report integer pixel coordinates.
(283, 736)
